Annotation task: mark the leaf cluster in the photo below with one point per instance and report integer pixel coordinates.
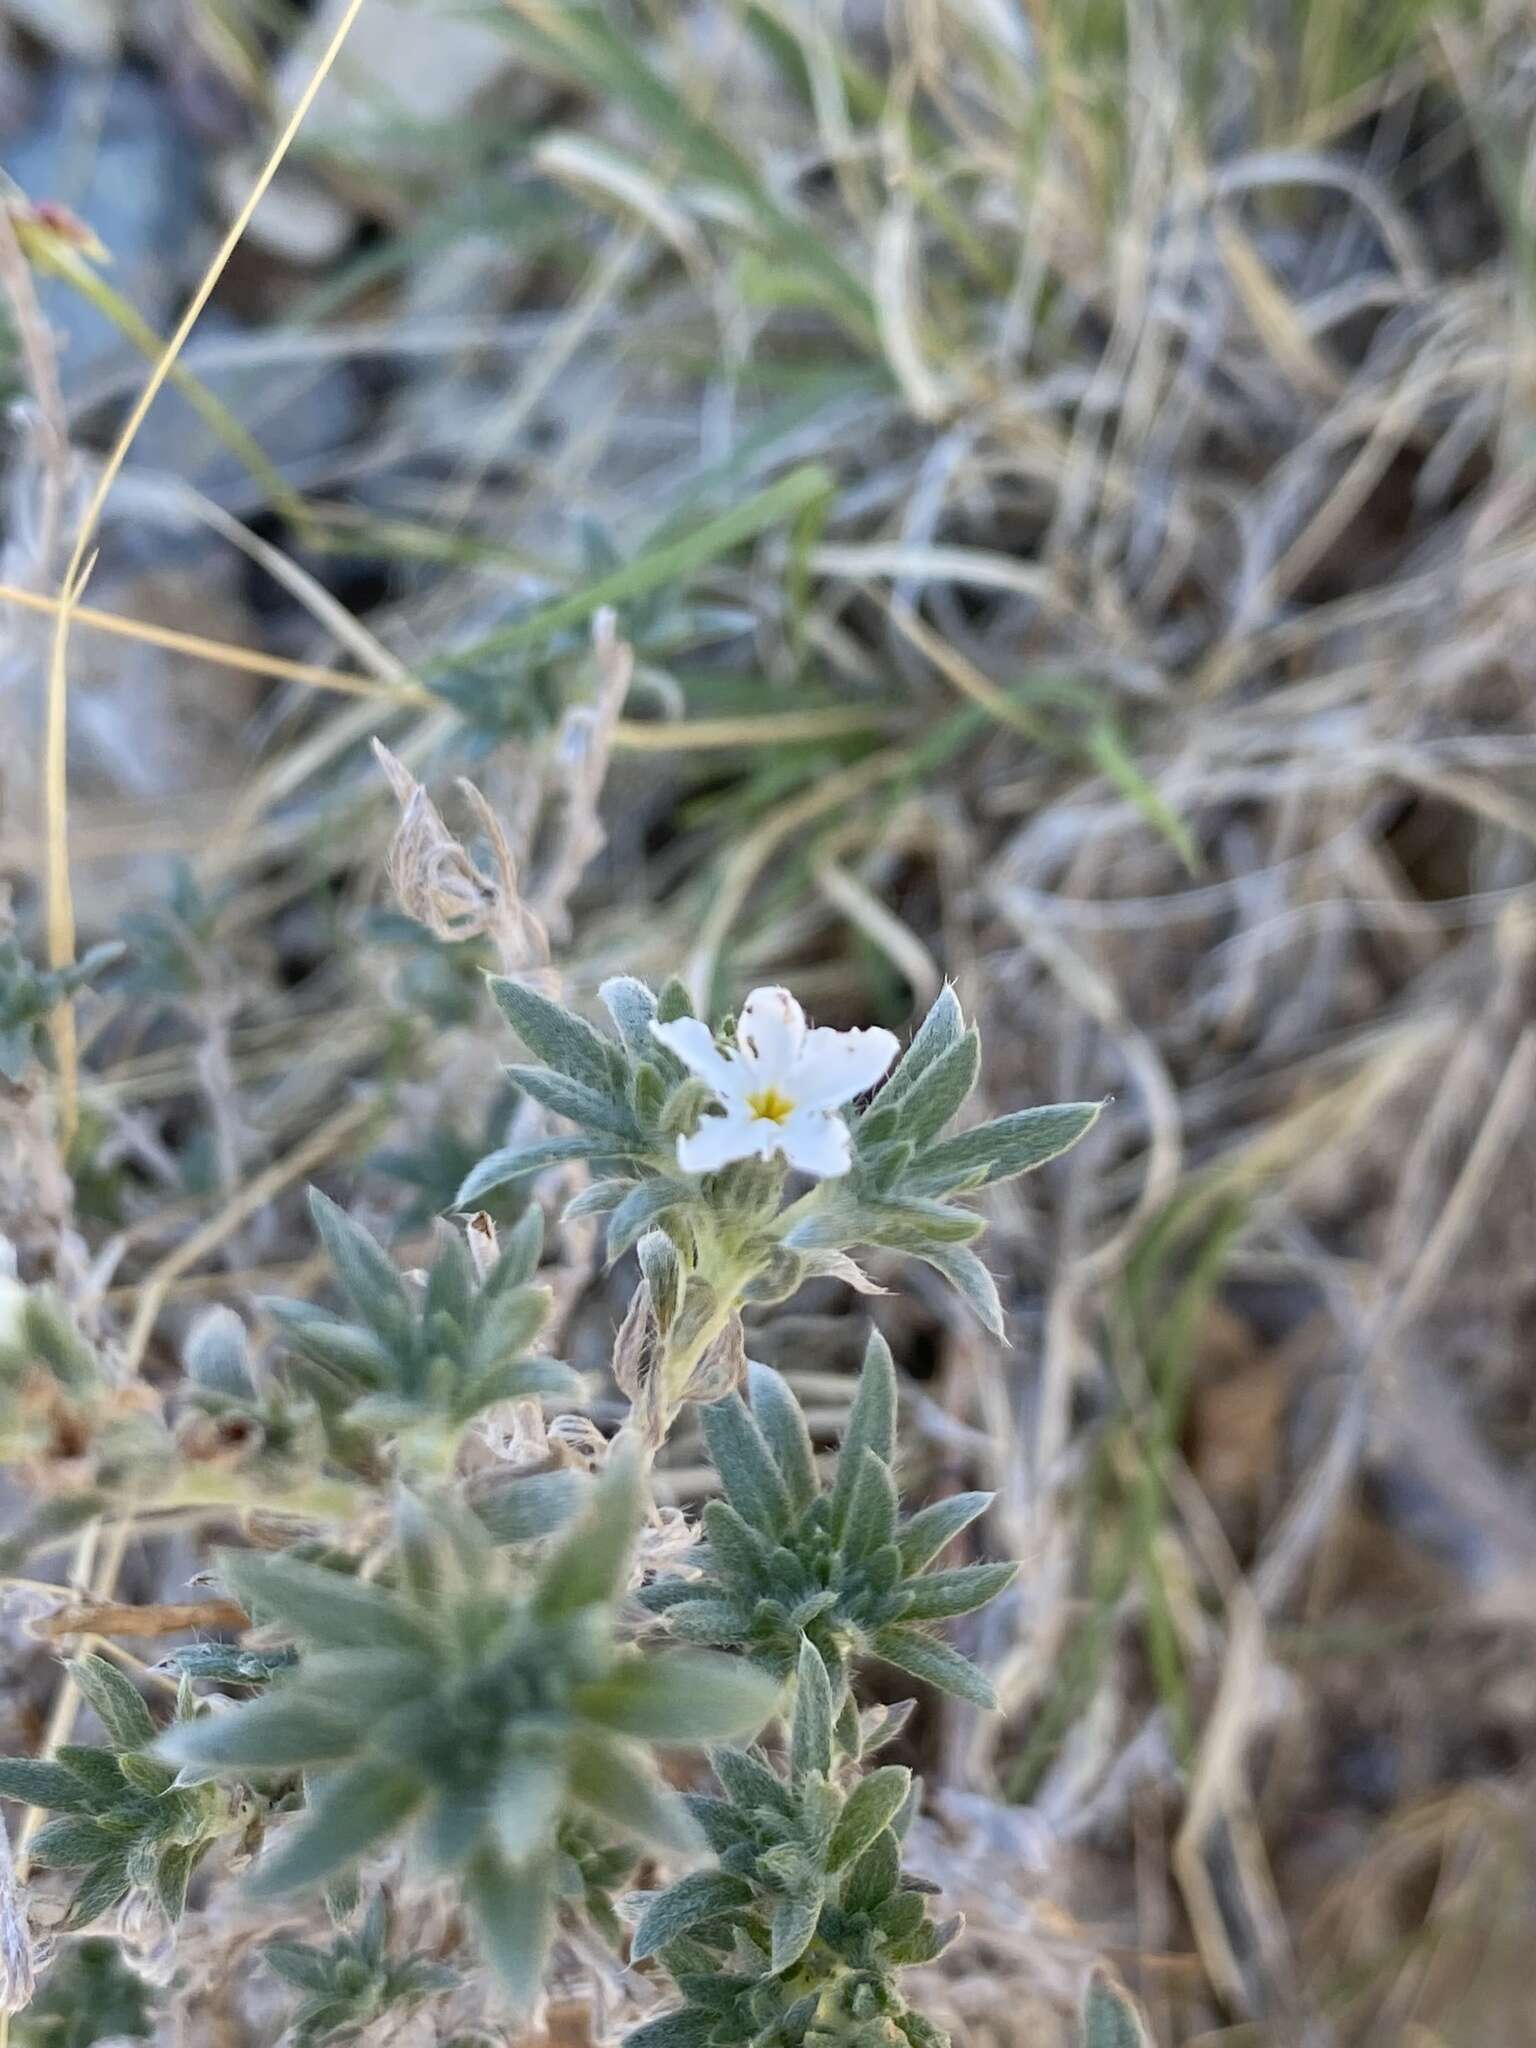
(790, 1560)
(799, 1933)
(355, 1981)
(120, 1813)
(430, 1362)
(478, 1703)
(30, 994)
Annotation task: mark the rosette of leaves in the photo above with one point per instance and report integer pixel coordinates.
(29, 995)
(799, 1933)
(476, 1704)
(355, 1981)
(120, 1814)
(631, 1099)
(430, 1364)
(788, 1560)
(89, 1995)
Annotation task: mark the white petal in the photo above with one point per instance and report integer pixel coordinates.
(771, 1031)
(719, 1140)
(837, 1065)
(816, 1143)
(694, 1044)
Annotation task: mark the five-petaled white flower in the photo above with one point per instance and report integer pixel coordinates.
(780, 1086)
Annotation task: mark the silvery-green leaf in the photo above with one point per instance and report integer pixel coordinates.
(509, 1325)
(283, 1730)
(740, 1553)
(523, 1509)
(116, 1699)
(344, 1348)
(364, 1269)
(145, 1772)
(518, 1261)
(582, 1105)
(910, 1649)
(794, 1928)
(596, 1200)
(327, 1608)
(871, 1424)
(645, 1204)
(970, 1279)
(872, 1805)
(943, 1025)
(811, 1747)
(173, 1873)
(702, 1896)
(632, 1007)
(350, 1811)
(72, 1840)
(590, 1565)
(915, 1225)
(870, 1522)
(709, 1621)
(526, 1801)
(778, 1415)
(1110, 2016)
(297, 1963)
(38, 1781)
(513, 1912)
(662, 1269)
(874, 1876)
(518, 1162)
(750, 1783)
(1005, 1148)
(936, 1525)
(674, 1000)
(940, 1090)
(218, 1354)
(98, 1891)
(752, 1481)
(560, 1038)
(613, 1780)
(940, 1595)
(688, 2028)
(680, 1697)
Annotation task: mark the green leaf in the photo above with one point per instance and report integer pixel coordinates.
(683, 1697)
(646, 1203)
(747, 1469)
(872, 1805)
(943, 1026)
(582, 1105)
(525, 1803)
(343, 1348)
(116, 1700)
(632, 1007)
(513, 1912)
(871, 1424)
(910, 1649)
(330, 1609)
(964, 1271)
(98, 1891)
(875, 1875)
(280, 1731)
(1111, 2018)
(932, 1528)
(519, 1260)
(871, 1519)
(702, 1896)
(173, 1873)
(686, 2028)
(1005, 1148)
(915, 1224)
(750, 1783)
(590, 1566)
(521, 1510)
(560, 1038)
(793, 1929)
(363, 1267)
(940, 1595)
(939, 1091)
(38, 1781)
(615, 1782)
(778, 1415)
(518, 1162)
(62, 1844)
(217, 1355)
(297, 1963)
(509, 1324)
(810, 1735)
(352, 1810)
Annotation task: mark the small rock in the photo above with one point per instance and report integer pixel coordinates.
(297, 219)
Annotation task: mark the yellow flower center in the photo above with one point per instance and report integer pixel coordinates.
(769, 1106)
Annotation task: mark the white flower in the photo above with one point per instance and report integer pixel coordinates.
(780, 1086)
